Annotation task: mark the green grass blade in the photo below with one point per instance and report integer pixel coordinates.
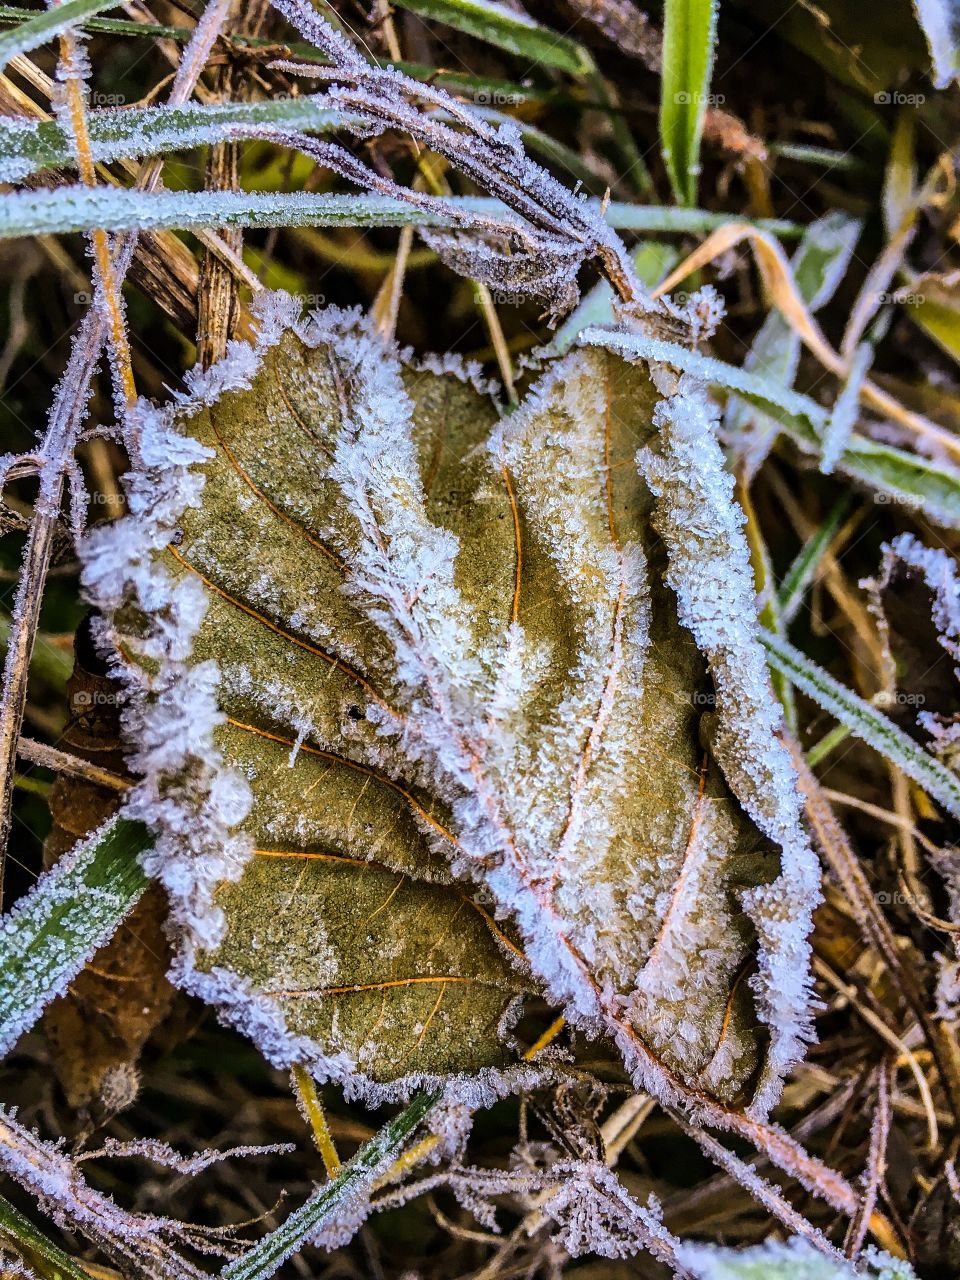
(864, 721)
(46, 1258)
(652, 219)
(508, 30)
(41, 27)
(66, 209)
(112, 26)
(801, 572)
(689, 33)
(72, 910)
(355, 1178)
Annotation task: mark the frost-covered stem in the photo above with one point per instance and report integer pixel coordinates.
(134, 1241)
(68, 410)
(69, 764)
(875, 1171)
(765, 1193)
(352, 1183)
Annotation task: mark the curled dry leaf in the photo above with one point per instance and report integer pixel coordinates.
(461, 726)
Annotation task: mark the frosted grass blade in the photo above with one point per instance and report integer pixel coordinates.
(48, 936)
(355, 1178)
(28, 146)
(45, 26)
(47, 1258)
(47, 212)
(818, 265)
(689, 33)
(864, 721)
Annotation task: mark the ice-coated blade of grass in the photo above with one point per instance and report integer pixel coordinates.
(355, 1179)
(689, 34)
(508, 30)
(801, 572)
(818, 266)
(28, 146)
(901, 478)
(846, 409)
(41, 27)
(66, 209)
(864, 721)
(940, 20)
(47, 1259)
(74, 908)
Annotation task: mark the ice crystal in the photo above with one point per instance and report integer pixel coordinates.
(712, 576)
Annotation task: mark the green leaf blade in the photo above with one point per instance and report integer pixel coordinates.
(689, 34)
(37, 30)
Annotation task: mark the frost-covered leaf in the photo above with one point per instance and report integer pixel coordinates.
(940, 20)
(903, 477)
(793, 1260)
(453, 672)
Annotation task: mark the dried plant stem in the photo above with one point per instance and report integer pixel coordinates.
(896, 1042)
(306, 1089)
(776, 273)
(876, 1159)
(765, 1193)
(109, 287)
(846, 868)
(71, 765)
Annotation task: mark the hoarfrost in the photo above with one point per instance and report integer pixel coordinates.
(185, 794)
(711, 574)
